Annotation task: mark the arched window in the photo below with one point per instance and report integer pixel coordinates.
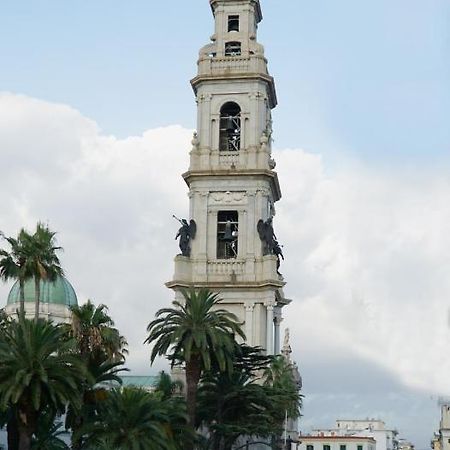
(230, 127)
(232, 48)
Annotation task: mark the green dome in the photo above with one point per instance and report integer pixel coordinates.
(59, 292)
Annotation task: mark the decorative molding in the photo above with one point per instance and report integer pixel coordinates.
(229, 197)
(255, 95)
(204, 98)
(263, 191)
(249, 307)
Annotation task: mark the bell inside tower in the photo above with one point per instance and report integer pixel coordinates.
(230, 127)
(227, 234)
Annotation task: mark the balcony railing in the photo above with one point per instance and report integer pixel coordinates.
(232, 65)
(226, 267)
(228, 159)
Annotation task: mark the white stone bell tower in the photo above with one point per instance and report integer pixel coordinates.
(232, 185)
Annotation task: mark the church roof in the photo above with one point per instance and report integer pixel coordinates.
(59, 292)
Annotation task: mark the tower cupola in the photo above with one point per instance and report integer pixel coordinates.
(236, 25)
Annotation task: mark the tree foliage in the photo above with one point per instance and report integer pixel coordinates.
(38, 370)
(31, 255)
(197, 333)
(103, 349)
(134, 419)
(247, 401)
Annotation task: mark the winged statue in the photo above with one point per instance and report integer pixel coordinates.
(186, 233)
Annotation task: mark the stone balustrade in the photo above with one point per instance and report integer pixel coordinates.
(226, 267)
(232, 65)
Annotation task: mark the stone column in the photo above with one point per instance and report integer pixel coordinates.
(249, 322)
(269, 329)
(278, 321)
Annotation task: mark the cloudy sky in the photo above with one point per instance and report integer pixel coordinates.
(96, 115)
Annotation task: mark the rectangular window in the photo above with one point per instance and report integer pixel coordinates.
(359, 447)
(310, 447)
(227, 234)
(232, 48)
(342, 447)
(326, 447)
(233, 23)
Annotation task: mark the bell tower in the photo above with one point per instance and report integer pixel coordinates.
(230, 246)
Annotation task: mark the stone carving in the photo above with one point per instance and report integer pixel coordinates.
(195, 142)
(229, 197)
(186, 233)
(286, 350)
(264, 141)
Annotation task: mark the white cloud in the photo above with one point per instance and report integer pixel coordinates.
(370, 253)
(367, 258)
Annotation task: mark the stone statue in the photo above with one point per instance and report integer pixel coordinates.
(195, 142)
(286, 350)
(270, 242)
(267, 235)
(186, 233)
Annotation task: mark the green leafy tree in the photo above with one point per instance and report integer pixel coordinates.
(170, 392)
(103, 350)
(95, 333)
(48, 433)
(92, 393)
(13, 263)
(197, 333)
(132, 419)
(234, 404)
(167, 387)
(38, 370)
(284, 390)
(41, 261)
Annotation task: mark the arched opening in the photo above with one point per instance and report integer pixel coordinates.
(230, 127)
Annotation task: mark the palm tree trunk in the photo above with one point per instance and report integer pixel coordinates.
(193, 372)
(12, 430)
(76, 440)
(22, 295)
(24, 438)
(37, 297)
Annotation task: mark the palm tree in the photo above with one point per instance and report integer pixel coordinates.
(41, 260)
(170, 392)
(284, 388)
(132, 419)
(197, 334)
(92, 394)
(95, 334)
(13, 263)
(167, 387)
(48, 433)
(103, 349)
(38, 370)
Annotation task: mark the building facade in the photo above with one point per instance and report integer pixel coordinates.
(386, 439)
(229, 245)
(444, 426)
(336, 442)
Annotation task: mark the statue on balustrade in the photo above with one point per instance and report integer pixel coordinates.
(186, 233)
(271, 245)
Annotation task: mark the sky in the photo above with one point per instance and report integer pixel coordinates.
(96, 116)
